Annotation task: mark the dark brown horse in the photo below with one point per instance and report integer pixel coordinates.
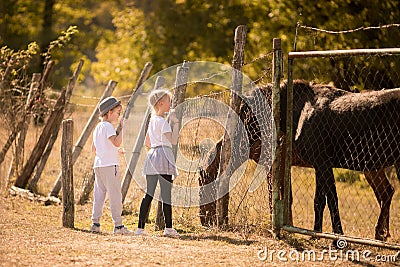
(332, 128)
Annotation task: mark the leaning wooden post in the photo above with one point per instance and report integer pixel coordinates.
(22, 122)
(138, 145)
(33, 183)
(276, 170)
(237, 80)
(67, 174)
(143, 77)
(55, 118)
(18, 160)
(91, 123)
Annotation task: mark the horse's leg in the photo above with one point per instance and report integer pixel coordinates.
(383, 192)
(333, 202)
(319, 200)
(326, 191)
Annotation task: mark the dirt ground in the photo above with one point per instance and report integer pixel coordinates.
(31, 235)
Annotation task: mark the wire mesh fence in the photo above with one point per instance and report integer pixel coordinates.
(356, 131)
(203, 124)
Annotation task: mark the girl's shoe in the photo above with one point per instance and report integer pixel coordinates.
(171, 232)
(140, 231)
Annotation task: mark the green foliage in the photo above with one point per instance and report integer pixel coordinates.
(118, 37)
(122, 55)
(14, 64)
(19, 22)
(60, 43)
(14, 81)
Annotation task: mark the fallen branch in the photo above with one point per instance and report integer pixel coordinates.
(16, 191)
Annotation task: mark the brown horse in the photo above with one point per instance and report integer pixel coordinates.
(332, 128)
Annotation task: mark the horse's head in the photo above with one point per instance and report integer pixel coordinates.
(209, 169)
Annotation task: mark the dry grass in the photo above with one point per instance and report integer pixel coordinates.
(31, 234)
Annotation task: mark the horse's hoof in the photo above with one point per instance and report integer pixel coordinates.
(382, 235)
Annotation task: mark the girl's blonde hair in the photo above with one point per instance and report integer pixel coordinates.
(156, 96)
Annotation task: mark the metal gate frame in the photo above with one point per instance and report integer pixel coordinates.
(281, 204)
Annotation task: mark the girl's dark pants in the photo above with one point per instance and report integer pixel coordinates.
(165, 187)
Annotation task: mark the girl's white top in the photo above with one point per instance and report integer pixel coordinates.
(158, 126)
(106, 152)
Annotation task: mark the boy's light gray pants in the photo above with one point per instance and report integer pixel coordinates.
(107, 180)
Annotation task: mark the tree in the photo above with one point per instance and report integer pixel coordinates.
(121, 55)
(125, 34)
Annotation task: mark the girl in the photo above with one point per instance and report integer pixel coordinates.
(106, 166)
(159, 165)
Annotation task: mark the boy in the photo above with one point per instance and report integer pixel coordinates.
(106, 144)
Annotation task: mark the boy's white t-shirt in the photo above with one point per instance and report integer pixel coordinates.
(158, 127)
(106, 152)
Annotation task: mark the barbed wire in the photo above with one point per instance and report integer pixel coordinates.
(261, 57)
(362, 28)
(208, 77)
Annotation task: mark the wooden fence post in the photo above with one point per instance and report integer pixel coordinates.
(21, 124)
(54, 119)
(53, 138)
(88, 186)
(278, 161)
(67, 174)
(91, 123)
(36, 91)
(18, 160)
(237, 80)
(143, 77)
(182, 76)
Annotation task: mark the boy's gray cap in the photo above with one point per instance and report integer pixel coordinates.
(108, 104)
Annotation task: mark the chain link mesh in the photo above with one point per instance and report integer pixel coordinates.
(366, 128)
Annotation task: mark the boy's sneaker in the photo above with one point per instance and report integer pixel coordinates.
(122, 230)
(140, 231)
(171, 232)
(95, 228)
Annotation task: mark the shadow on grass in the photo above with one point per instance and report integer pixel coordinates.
(90, 232)
(230, 240)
